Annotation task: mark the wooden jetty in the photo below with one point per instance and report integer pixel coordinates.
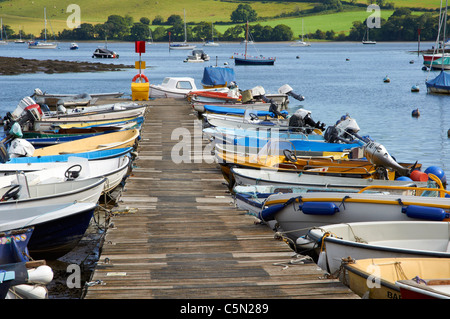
(177, 233)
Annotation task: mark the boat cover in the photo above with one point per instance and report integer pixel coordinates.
(217, 76)
(442, 81)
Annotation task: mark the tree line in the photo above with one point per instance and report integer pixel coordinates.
(402, 25)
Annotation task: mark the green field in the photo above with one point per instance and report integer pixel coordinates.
(27, 15)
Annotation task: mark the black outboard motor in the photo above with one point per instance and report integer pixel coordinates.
(289, 91)
(273, 106)
(301, 121)
(296, 96)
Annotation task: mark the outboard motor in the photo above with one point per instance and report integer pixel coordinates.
(288, 90)
(20, 148)
(273, 107)
(344, 131)
(301, 120)
(379, 156)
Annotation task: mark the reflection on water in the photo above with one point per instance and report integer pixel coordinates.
(335, 78)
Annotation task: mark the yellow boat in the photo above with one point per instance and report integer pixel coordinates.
(376, 278)
(330, 164)
(120, 139)
(83, 124)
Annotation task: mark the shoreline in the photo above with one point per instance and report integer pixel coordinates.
(16, 66)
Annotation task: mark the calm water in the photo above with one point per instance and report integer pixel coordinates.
(332, 86)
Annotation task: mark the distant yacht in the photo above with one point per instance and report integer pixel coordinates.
(45, 44)
(2, 42)
(300, 43)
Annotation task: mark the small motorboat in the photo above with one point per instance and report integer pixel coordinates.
(197, 56)
(378, 240)
(73, 46)
(58, 228)
(76, 168)
(377, 278)
(103, 53)
(172, 87)
(107, 141)
(296, 215)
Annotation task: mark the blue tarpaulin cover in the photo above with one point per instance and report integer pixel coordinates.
(217, 76)
(442, 81)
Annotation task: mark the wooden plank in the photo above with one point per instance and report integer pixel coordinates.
(187, 239)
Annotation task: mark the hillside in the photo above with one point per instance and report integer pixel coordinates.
(28, 15)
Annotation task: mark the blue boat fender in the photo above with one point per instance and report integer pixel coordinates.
(319, 208)
(426, 213)
(269, 213)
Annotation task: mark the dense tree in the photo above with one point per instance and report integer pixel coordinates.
(139, 32)
(117, 27)
(174, 19)
(144, 20)
(281, 32)
(243, 13)
(234, 33)
(158, 20)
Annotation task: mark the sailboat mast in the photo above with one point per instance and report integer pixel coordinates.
(185, 32)
(45, 24)
(302, 30)
(443, 36)
(246, 41)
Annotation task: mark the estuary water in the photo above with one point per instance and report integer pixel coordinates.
(335, 78)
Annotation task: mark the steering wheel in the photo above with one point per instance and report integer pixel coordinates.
(253, 116)
(72, 174)
(290, 156)
(11, 193)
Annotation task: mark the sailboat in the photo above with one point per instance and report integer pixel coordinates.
(20, 38)
(300, 43)
(441, 83)
(150, 38)
(184, 45)
(367, 41)
(251, 60)
(45, 44)
(211, 43)
(2, 42)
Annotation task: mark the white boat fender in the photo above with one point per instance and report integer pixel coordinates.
(31, 291)
(319, 208)
(426, 213)
(40, 275)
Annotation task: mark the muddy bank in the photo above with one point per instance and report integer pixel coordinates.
(14, 66)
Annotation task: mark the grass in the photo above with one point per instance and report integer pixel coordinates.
(427, 4)
(28, 14)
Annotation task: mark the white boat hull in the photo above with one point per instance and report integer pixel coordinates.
(84, 191)
(383, 240)
(245, 176)
(351, 207)
(229, 121)
(114, 169)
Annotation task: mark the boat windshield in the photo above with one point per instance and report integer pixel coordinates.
(184, 85)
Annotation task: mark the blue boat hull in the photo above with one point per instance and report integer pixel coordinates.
(240, 61)
(54, 239)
